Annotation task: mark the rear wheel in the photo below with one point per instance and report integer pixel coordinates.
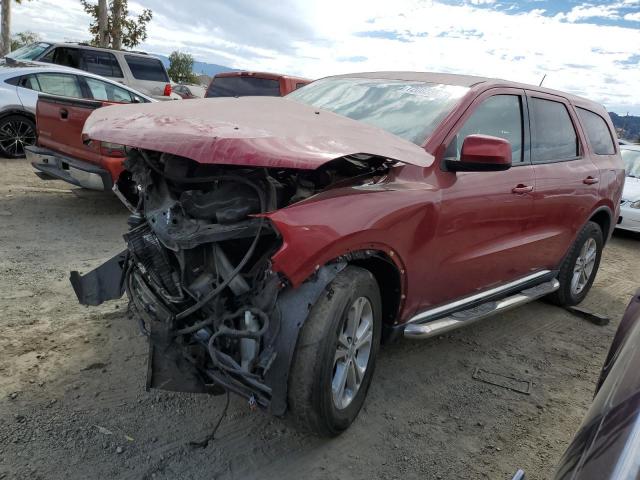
(579, 267)
(336, 353)
(16, 132)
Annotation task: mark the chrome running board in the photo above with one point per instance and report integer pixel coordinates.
(465, 317)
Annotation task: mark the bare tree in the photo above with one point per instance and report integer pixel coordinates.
(116, 29)
(6, 27)
(103, 27)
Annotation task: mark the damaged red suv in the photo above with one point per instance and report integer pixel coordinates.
(278, 241)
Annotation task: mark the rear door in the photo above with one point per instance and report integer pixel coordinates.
(484, 227)
(567, 181)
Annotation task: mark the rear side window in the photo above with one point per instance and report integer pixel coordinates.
(553, 137)
(59, 84)
(499, 116)
(300, 85)
(101, 63)
(150, 69)
(598, 132)
(243, 87)
(107, 91)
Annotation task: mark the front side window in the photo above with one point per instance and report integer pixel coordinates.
(59, 84)
(107, 91)
(150, 68)
(498, 116)
(553, 137)
(243, 86)
(598, 132)
(631, 160)
(409, 109)
(101, 63)
(69, 57)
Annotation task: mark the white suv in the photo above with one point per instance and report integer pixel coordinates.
(137, 70)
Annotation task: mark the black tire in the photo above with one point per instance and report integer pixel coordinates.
(311, 398)
(566, 296)
(16, 132)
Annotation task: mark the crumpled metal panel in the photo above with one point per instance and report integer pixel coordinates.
(250, 131)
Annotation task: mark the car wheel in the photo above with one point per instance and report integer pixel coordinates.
(336, 353)
(16, 132)
(579, 267)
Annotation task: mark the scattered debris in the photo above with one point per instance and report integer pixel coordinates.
(104, 431)
(504, 381)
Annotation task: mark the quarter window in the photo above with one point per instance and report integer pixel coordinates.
(598, 132)
(498, 116)
(101, 63)
(59, 84)
(553, 137)
(147, 69)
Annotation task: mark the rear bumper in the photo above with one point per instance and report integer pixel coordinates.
(71, 170)
(629, 219)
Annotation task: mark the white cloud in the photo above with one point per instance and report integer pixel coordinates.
(632, 17)
(309, 38)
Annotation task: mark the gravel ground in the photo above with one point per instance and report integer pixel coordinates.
(73, 404)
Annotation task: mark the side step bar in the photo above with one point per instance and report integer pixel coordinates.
(470, 315)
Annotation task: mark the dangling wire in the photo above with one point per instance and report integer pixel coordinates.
(205, 441)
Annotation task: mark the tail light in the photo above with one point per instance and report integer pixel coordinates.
(108, 149)
(167, 90)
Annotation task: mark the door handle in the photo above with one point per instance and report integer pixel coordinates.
(590, 180)
(521, 188)
(64, 113)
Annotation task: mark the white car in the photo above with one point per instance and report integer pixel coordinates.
(630, 207)
(22, 82)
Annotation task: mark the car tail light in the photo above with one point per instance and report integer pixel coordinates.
(167, 90)
(112, 150)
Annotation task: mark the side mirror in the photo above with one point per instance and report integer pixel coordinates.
(482, 153)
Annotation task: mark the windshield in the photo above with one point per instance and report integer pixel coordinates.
(631, 162)
(29, 52)
(411, 110)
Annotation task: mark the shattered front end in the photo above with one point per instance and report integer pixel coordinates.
(198, 273)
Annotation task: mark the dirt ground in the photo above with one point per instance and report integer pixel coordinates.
(73, 404)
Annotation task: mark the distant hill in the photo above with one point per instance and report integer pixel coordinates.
(628, 127)
(209, 69)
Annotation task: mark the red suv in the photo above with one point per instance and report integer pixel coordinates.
(279, 240)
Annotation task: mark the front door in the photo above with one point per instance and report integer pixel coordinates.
(484, 227)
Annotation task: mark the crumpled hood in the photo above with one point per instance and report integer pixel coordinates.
(631, 191)
(252, 131)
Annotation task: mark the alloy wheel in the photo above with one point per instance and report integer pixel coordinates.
(351, 358)
(583, 267)
(15, 135)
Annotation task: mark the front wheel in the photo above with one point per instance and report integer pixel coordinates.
(16, 132)
(336, 353)
(579, 268)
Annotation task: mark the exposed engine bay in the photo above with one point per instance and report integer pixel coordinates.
(198, 272)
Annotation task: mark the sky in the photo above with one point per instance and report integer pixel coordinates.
(590, 49)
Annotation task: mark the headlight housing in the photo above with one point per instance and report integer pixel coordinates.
(635, 204)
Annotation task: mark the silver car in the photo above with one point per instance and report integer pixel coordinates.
(20, 84)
